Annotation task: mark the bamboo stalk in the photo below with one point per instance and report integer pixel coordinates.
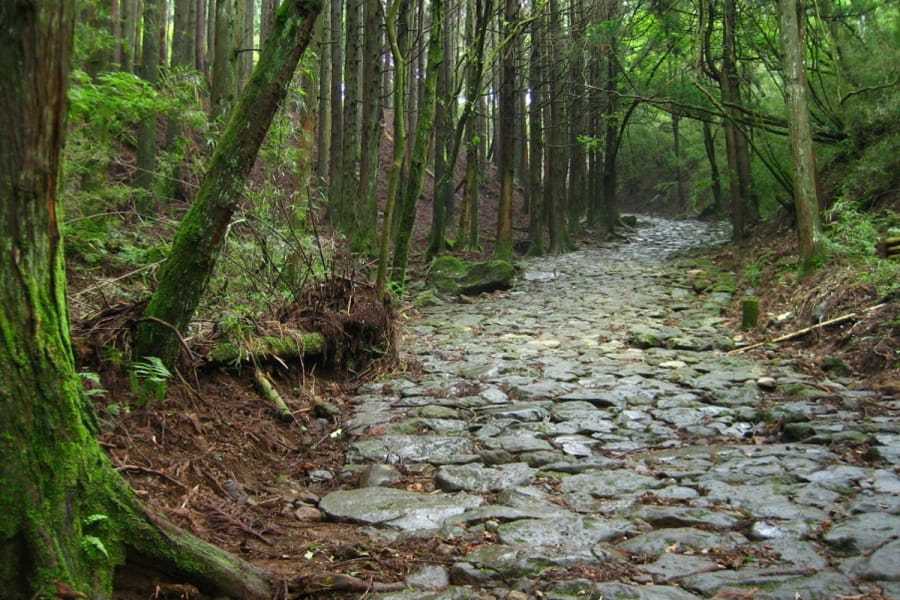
(268, 391)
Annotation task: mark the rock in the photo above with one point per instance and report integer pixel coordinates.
(567, 529)
(378, 474)
(881, 565)
(307, 513)
(395, 508)
(767, 384)
(487, 277)
(795, 432)
(450, 275)
(478, 478)
(836, 366)
(430, 578)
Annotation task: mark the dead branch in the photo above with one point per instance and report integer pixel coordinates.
(805, 330)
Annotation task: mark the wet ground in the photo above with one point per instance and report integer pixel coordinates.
(588, 434)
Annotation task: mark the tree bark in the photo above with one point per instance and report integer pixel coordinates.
(223, 66)
(57, 482)
(199, 239)
(419, 159)
(349, 203)
(503, 248)
(335, 173)
(146, 149)
(399, 154)
(791, 21)
(535, 140)
(370, 142)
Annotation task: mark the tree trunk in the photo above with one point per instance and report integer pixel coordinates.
(419, 159)
(555, 182)
(535, 139)
(247, 45)
(323, 131)
(266, 19)
(791, 21)
(201, 45)
(57, 482)
(146, 147)
(200, 237)
(714, 176)
(506, 134)
(399, 155)
(349, 203)
(335, 164)
(445, 160)
(223, 67)
(370, 143)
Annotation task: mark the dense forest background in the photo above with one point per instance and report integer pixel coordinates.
(554, 116)
(234, 170)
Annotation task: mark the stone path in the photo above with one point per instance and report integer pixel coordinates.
(589, 435)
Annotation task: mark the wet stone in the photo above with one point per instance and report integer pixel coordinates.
(478, 478)
(401, 449)
(681, 540)
(566, 529)
(395, 508)
(592, 410)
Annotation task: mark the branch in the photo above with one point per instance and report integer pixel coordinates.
(805, 330)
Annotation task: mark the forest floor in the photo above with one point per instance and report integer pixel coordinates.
(184, 455)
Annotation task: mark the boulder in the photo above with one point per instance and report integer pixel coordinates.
(451, 275)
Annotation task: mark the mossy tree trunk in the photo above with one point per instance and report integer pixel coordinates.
(67, 518)
(419, 158)
(399, 153)
(200, 237)
(451, 146)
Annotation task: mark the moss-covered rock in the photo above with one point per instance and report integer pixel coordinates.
(487, 277)
(451, 275)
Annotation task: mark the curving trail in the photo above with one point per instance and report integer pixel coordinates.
(590, 436)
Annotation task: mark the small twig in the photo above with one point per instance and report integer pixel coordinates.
(141, 469)
(805, 330)
(119, 278)
(235, 521)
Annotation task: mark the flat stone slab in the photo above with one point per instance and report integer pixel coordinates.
(396, 448)
(566, 529)
(399, 509)
(478, 478)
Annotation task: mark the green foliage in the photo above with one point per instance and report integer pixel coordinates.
(149, 378)
(850, 232)
(93, 545)
(92, 384)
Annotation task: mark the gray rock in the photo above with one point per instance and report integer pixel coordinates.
(683, 539)
(399, 509)
(432, 578)
(400, 449)
(583, 491)
(378, 474)
(825, 585)
(621, 591)
(478, 478)
(862, 532)
(566, 529)
(671, 566)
